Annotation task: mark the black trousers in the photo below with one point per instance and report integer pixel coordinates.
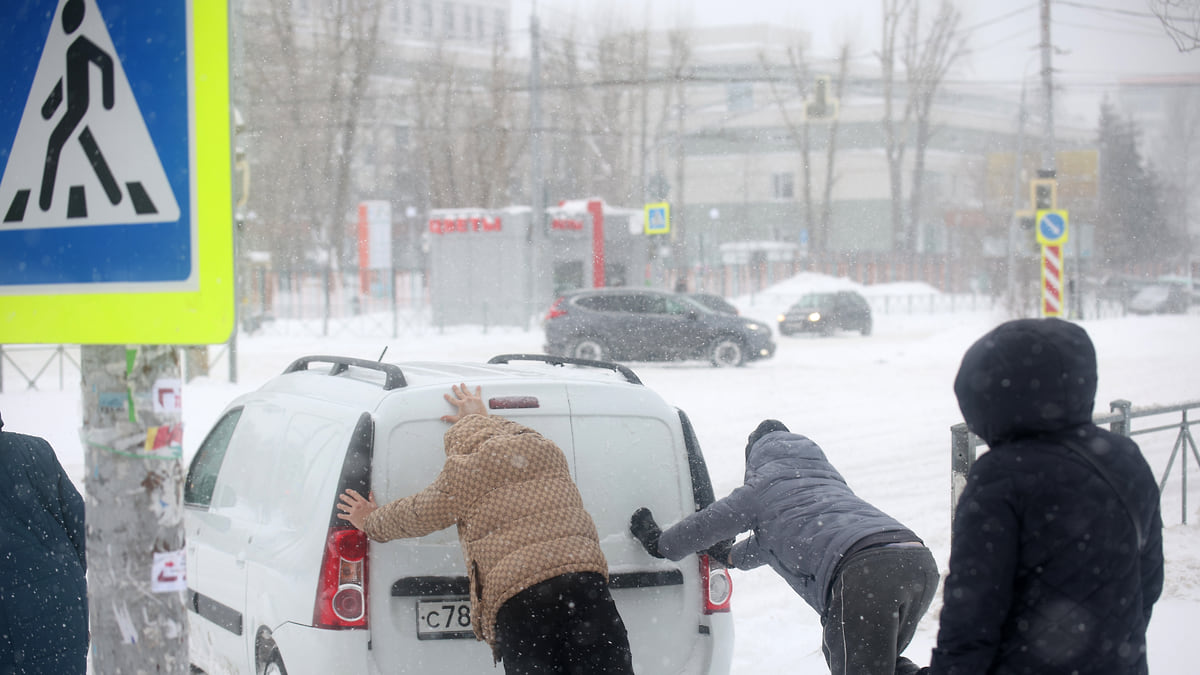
(875, 604)
(565, 625)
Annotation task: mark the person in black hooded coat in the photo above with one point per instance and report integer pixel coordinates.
(43, 561)
(1047, 570)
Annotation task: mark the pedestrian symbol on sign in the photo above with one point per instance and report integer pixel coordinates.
(80, 184)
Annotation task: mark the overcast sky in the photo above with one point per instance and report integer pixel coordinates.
(1097, 41)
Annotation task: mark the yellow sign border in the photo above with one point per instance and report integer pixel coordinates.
(204, 316)
(666, 208)
(1037, 227)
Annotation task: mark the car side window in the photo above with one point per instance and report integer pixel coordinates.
(678, 307)
(600, 303)
(202, 475)
(628, 304)
(652, 304)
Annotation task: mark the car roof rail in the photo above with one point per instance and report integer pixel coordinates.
(569, 361)
(395, 376)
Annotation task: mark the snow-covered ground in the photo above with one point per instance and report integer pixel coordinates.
(880, 406)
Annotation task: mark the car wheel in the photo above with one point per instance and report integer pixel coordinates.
(866, 328)
(726, 351)
(274, 664)
(589, 348)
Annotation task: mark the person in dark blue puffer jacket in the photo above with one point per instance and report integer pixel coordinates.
(43, 561)
(1048, 573)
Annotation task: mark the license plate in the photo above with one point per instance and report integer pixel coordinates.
(444, 619)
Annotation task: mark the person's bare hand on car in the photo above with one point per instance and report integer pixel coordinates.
(466, 402)
(354, 508)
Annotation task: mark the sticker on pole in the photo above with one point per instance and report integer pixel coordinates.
(168, 572)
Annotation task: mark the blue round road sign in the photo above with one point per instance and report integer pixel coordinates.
(1052, 227)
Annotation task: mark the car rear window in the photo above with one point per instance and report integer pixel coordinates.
(623, 462)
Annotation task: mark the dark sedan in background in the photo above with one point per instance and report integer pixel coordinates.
(827, 312)
(616, 324)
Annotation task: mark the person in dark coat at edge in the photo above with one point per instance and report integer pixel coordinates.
(868, 577)
(43, 560)
(1047, 571)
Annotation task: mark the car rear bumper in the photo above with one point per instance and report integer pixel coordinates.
(305, 649)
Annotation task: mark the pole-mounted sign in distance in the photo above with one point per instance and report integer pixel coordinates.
(115, 201)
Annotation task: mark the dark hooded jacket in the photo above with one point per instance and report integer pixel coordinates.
(1047, 574)
(804, 518)
(43, 592)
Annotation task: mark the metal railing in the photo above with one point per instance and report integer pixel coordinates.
(30, 363)
(964, 445)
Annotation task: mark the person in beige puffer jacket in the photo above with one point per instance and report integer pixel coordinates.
(538, 579)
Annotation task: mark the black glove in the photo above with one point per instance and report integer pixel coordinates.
(645, 530)
(720, 551)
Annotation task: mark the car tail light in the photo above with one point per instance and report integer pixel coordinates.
(342, 587)
(556, 310)
(717, 586)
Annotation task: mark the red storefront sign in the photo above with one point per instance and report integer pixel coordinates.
(568, 224)
(464, 224)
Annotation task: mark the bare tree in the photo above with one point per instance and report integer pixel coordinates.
(894, 141)
(820, 234)
(467, 131)
(1181, 21)
(798, 130)
(308, 75)
(1178, 143)
(927, 59)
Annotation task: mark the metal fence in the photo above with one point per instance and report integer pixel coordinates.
(1157, 433)
(22, 367)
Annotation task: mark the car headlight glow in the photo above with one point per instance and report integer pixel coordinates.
(753, 326)
(814, 317)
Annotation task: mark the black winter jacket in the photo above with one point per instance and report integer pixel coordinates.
(1046, 571)
(804, 517)
(43, 592)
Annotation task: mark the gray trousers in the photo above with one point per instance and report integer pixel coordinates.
(875, 604)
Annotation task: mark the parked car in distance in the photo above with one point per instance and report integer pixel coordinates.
(827, 312)
(1163, 298)
(714, 302)
(277, 583)
(630, 324)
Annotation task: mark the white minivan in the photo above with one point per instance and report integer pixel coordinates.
(278, 584)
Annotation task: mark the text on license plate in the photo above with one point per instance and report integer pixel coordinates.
(444, 619)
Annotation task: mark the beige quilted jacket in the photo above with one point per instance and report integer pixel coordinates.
(519, 515)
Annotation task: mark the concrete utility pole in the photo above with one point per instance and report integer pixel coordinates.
(537, 208)
(1018, 163)
(1047, 96)
(135, 536)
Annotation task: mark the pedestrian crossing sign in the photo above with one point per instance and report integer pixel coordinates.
(115, 197)
(658, 218)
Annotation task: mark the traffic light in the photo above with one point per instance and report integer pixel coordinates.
(1043, 194)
